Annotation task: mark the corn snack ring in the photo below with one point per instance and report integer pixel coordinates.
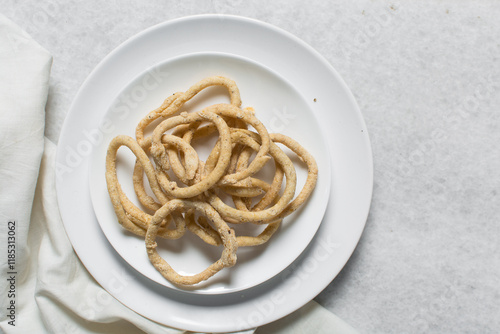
(312, 172)
(121, 208)
(236, 216)
(248, 117)
(227, 259)
(159, 153)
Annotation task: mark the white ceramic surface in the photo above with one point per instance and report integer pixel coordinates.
(351, 182)
(281, 109)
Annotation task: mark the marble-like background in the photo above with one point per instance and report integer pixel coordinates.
(426, 75)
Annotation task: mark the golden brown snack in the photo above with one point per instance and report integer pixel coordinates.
(248, 117)
(183, 184)
(209, 235)
(122, 206)
(264, 216)
(160, 155)
(227, 259)
(312, 172)
(175, 102)
(204, 230)
(151, 117)
(138, 180)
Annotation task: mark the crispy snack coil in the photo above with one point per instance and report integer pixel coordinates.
(188, 194)
(228, 258)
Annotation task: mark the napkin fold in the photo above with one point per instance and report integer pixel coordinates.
(44, 286)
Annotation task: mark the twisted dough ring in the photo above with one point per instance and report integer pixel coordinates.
(264, 216)
(207, 233)
(227, 259)
(121, 204)
(160, 155)
(175, 102)
(229, 169)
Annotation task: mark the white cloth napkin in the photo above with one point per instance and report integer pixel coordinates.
(44, 287)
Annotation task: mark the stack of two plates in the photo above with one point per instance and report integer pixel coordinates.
(294, 91)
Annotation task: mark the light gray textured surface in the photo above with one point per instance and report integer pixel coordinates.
(426, 76)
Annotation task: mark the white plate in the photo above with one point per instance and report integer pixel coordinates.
(281, 109)
(351, 181)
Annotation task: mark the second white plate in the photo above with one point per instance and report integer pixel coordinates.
(351, 173)
(277, 104)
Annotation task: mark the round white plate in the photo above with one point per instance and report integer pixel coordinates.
(351, 173)
(281, 109)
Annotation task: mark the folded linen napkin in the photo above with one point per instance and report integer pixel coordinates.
(45, 288)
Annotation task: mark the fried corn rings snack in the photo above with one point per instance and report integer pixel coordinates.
(188, 193)
(228, 257)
